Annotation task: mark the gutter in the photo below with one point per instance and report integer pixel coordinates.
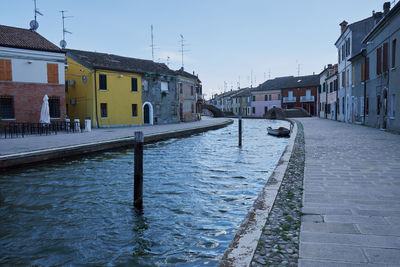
(95, 98)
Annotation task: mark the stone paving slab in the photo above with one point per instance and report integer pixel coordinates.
(351, 200)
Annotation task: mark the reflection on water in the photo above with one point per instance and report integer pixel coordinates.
(197, 190)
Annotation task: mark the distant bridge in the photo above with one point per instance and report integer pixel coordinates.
(213, 109)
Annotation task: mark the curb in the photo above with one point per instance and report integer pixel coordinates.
(22, 158)
(241, 250)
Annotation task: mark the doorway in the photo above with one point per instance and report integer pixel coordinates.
(147, 113)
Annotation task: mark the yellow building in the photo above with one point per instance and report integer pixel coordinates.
(105, 88)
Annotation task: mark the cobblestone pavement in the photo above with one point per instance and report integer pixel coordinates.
(351, 198)
(35, 142)
(279, 241)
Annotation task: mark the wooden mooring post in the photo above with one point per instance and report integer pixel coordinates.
(138, 171)
(240, 131)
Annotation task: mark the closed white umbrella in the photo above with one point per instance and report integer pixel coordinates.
(45, 113)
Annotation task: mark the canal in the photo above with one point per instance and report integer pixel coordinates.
(197, 191)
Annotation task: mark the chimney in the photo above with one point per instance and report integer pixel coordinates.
(343, 26)
(329, 66)
(386, 8)
(377, 16)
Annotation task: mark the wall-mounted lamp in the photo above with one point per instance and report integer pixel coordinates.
(29, 62)
(120, 76)
(370, 43)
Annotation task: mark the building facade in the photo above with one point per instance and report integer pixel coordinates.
(30, 67)
(301, 92)
(383, 71)
(189, 92)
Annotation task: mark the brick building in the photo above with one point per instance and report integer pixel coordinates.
(30, 67)
(301, 92)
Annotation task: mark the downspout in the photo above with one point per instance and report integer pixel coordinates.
(326, 99)
(95, 98)
(364, 54)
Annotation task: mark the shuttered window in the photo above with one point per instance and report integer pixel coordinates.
(52, 73)
(394, 53)
(5, 70)
(134, 110)
(379, 61)
(103, 110)
(7, 107)
(134, 84)
(385, 56)
(103, 82)
(54, 107)
(367, 68)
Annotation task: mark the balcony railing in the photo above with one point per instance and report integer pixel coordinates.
(289, 99)
(309, 98)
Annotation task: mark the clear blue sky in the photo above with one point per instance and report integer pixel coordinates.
(226, 39)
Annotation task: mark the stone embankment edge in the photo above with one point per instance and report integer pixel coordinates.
(13, 160)
(241, 250)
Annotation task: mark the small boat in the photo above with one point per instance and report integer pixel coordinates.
(280, 132)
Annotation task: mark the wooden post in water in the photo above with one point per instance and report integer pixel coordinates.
(138, 174)
(240, 131)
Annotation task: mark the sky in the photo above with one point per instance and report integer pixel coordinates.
(228, 43)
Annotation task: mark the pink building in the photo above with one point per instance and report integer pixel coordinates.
(264, 100)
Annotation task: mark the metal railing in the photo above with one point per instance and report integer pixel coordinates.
(305, 98)
(289, 99)
(20, 129)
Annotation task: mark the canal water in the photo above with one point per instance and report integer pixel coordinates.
(197, 191)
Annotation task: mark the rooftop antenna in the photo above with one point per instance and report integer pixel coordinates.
(182, 48)
(168, 61)
(152, 43)
(34, 25)
(269, 74)
(298, 68)
(251, 84)
(265, 76)
(63, 43)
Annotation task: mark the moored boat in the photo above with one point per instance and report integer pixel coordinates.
(280, 132)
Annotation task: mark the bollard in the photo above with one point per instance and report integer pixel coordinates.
(240, 131)
(138, 173)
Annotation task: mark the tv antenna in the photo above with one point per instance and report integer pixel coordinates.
(63, 43)
(182, 48)
(298, 68)
(152, 43)
(167, 61)
(34, 25)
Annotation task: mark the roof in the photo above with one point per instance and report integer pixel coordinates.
(95, 60)
(242, 92)
(289, 82)
(363, 25)
(186, 74)
(382, 22)
(25, 39)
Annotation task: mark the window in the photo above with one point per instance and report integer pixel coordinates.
(192, 108)
(265, 110)
(103, 83)
(379, 61)
(330, 87)
(66, 86)
(367, 106)
(253, 110)
(191, 91)
(394, 53)
(290, 94)
(363, 71)
(269, 97)
(5, 70)
(54, 107)
(52, 73)
(352, 76)
(367, 68)
(347, 78)
(343, 79)
(392, 102)
(339, 55)
(254, 98)
(164, 86)
(265, 97)
(7, 107)
(385, 56)
(342, 105)
(279, 96)
(134, 84)
(134, 110)
(103, 110)
(180, 88)
(323, 87)
(378, 105)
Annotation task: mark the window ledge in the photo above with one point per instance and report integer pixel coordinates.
(394, 68)
(392, 118)
(58, 118)
(104, 117)
(8, 119)
(134, 91)
(103, 90)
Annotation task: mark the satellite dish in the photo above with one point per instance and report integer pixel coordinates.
(63, 44)
(34, 25)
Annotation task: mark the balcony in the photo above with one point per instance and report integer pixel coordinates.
(305, 98)
(289, 99)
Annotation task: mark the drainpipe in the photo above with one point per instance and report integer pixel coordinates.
(326, 99)
(95, 98)
(364, 54)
